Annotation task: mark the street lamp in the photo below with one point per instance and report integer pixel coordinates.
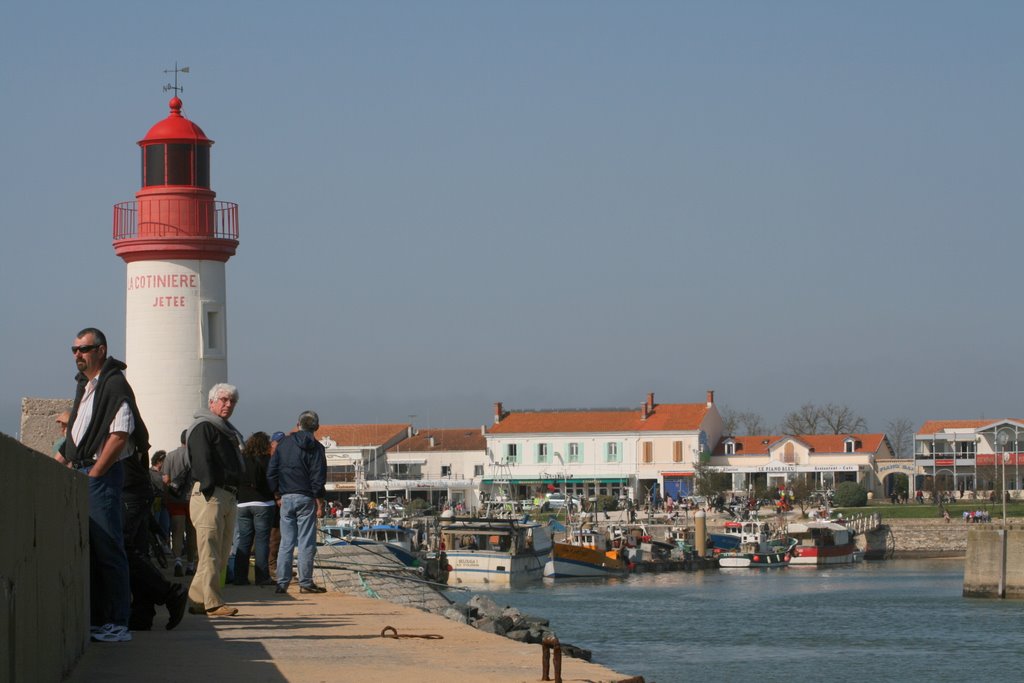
(1003, 438)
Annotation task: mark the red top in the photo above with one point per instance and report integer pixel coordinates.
(175, 128)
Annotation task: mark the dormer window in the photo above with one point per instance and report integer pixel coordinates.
(730, 447)
(849, 445)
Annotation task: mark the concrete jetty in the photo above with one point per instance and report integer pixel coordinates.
(308, 638)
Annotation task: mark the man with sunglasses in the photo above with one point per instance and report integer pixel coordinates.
(104, 428)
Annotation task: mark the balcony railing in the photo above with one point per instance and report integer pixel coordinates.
(175, 217)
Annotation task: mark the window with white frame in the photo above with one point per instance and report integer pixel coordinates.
(542, 453)
(850, 445)
(730, 448)
(966, 449)
(613, 452)
(575, 451)
(512, 453)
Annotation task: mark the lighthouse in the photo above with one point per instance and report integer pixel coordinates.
(175, 239)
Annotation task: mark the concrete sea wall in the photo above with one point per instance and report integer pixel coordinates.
(44, 566)
(928, 537)
(985, 558)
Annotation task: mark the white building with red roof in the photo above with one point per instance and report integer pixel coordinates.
(640, 452)
(969, 455)
(828, 459)
(440, 465)
(362, 447)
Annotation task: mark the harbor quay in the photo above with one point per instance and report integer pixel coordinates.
(322, 637)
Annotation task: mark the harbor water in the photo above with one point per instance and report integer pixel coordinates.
(901, 620)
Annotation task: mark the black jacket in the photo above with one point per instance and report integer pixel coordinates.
(214, 451)
(254, 487)
(112, 389)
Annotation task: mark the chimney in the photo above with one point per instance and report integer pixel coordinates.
(643, 411)
(408, 432)
(483, 430)
(431, 440)
(711, 398)
(650, 402)
(497, 412)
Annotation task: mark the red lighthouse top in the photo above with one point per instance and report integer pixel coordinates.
(175, 215)
(175, 128)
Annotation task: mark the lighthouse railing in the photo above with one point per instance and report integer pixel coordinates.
(170, 218)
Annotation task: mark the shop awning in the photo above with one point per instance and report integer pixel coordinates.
(569, 480)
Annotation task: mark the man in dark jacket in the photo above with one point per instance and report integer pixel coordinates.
(104, 428)
(213, 447)
(298, 473)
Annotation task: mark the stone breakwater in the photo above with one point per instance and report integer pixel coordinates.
(928, 537)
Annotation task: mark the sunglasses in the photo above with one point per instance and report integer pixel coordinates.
(85, 348)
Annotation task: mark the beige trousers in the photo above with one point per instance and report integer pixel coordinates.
(214, 521)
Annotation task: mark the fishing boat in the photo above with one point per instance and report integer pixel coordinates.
(499, 551)
(756, 549)
(822, 543)
(586, 553)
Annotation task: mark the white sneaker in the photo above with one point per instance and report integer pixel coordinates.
(111, 633)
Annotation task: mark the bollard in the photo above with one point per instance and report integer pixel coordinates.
(700, 533)
(548, 645)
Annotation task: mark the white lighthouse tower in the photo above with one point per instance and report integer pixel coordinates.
(176, 240)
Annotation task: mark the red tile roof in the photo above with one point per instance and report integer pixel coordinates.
(361, 435)
(818, 443)
(935, 426)
(666, 417)
(444, 440)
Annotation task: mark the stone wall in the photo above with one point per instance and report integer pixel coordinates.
(928, 537)
(39, 428)
(44, 566)
(985, 557)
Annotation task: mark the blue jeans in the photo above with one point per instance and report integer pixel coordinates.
(298, 529)
(110, 594)
(254, 524)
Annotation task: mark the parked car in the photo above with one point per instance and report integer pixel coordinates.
(558, 500)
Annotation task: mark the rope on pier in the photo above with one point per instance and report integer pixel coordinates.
(395, 634)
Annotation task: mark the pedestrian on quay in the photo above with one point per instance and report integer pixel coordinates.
(178, 478)
(214, 449)
(104, 427)
(298, 474)
(275, 531)
(256, 511)
(148, 585)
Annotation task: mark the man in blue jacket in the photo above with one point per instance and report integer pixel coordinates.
(297, 474)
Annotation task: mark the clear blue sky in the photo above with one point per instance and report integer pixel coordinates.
(550, 204)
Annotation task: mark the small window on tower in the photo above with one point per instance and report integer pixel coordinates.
(214, 334)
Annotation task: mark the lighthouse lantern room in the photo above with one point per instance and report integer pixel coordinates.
(176, 239)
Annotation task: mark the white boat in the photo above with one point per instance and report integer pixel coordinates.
(822, 543)
(495, 551)
(757, 548)
(586, 553)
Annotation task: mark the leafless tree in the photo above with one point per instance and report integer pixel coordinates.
(742, 422)
(805, 420)
(840, 419)
(830, 418)
(901, 435)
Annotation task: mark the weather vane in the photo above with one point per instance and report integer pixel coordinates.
(176, 88)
